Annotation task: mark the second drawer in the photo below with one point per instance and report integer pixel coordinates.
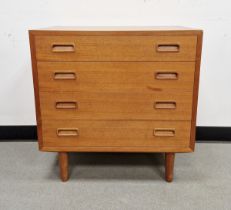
(155, 105)
(111, 76)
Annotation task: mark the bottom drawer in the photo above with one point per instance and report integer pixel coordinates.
(83, 133)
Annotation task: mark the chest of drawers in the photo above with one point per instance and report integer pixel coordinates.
(116, 90)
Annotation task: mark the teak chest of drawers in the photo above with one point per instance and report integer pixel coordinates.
(116, 90)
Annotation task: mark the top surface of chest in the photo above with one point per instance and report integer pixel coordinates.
(118, 29)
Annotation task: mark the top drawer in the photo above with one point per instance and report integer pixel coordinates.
(115, 48)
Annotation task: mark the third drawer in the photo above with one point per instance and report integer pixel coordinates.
(99, 105)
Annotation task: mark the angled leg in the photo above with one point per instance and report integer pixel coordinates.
(169, 166)
(63, 166)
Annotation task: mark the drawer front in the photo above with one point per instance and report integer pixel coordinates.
(152, 105)
(115, 76)
(115, 48)
(116, 133)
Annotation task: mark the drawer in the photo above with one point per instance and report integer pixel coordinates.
(115, 48)
(88, 105)
(116, 133)
(114, 76)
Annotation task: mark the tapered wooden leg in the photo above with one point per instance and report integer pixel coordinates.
(63, 166)
(169, 166)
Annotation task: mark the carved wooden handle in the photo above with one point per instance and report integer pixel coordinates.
(66, 105)
(166, 76)
(168, 48)
(164, 132)
(65, 47)
(67, 132)
(165, 105)
(64, 76)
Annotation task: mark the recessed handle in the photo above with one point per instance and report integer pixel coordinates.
(164, 132)
(64, 75)
(165, 105)
(166, 76)
(66, 105)
(168, 48)
(66, 47)
(67, 132)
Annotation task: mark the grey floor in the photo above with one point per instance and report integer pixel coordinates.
(29, 180)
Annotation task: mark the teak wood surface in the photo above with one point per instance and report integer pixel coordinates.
(115, 48)
(100, 105)
(116, 76)
(117, 133)
(119, 89)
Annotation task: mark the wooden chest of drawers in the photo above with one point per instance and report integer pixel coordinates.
(116, 90)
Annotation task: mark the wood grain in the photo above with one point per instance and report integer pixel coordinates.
(117, 31)
(127, 105)
(117, 134)
(116, 89)
(115, 76)
(36, 89)
(116, 48)
(196, 89)
(126, 80)
(116, 149)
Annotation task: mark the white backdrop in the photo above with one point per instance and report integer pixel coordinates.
(16, 17)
